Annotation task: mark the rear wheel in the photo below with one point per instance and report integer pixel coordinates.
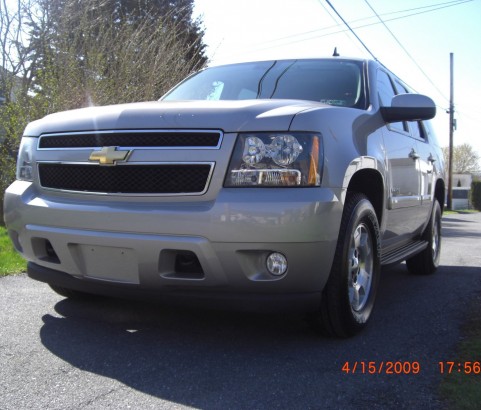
(427, 261)
(349, 295)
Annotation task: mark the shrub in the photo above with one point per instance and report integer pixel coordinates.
(476, 194)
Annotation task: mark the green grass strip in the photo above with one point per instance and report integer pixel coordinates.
(462, 387)
(10, 261)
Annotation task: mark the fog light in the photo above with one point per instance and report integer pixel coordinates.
(277, 264)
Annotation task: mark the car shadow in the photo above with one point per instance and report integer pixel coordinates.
(456, 227)
(205, 358)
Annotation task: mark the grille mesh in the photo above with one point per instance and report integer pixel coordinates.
(128, 179)
(132, 139)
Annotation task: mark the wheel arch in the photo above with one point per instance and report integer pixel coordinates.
(369, 182)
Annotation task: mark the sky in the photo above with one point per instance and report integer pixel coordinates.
(414, 42)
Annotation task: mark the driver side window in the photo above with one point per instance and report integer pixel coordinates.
(386, 92)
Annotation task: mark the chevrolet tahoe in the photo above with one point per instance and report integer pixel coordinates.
(272, 184)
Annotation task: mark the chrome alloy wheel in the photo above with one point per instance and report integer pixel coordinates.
(361, 266)
(349, 296)
(436, 240)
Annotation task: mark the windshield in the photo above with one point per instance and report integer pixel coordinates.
(333, 82)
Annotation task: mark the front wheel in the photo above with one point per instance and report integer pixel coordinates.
(349, 295)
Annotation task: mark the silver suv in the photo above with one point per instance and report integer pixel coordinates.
(274, 184)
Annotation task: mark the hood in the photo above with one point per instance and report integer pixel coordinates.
(229, 116)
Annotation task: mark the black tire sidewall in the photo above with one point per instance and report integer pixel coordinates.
(344, 320)
(425, 262)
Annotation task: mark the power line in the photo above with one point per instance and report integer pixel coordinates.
(405, 50)
(432, 7)
(426, 11)
(335, 22)
(293, 41)
(351, 30)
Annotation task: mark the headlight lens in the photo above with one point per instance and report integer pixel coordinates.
(24, 160)
(285, 149)
(276, 160)
(254, 150)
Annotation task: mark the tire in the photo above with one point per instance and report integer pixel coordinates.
(348, 297)
(427, 261)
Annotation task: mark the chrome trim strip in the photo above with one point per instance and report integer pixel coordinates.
(142, 131)
(206, 187)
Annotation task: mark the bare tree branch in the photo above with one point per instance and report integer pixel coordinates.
(465, 159)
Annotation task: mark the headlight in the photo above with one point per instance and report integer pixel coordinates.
(276, 160)
(24, 160)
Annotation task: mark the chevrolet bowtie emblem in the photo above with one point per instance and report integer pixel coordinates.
(109, 156)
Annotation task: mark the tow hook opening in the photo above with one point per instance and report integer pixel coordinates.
(180, 264)
(187, 262)
(44, 250)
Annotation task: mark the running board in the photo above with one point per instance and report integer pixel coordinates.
(403, 253)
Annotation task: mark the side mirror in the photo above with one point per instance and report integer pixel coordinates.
(409, 107)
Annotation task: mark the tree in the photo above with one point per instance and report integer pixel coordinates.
(65, 54)
(112, 51)
(465, 159)
(12, 66)
(11, 35)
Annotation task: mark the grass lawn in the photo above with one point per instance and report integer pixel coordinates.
(10, 261)
(460, 211)
(461, 386)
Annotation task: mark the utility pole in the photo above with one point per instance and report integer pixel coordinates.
(451, 134)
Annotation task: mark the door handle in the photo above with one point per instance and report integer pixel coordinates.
(413, 154)
(431, 159)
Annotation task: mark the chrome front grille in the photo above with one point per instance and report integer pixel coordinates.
(133, 138)
(152, 172)
(126, 179)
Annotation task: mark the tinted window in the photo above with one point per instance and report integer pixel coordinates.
(333, 82)
(386, 93)
(400, 88)
(231, 82)
(329, 82)
(417, 130)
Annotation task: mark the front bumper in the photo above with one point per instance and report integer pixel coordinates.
(283, 302)
(110, 246)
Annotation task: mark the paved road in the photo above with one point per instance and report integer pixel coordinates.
(61, 354)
